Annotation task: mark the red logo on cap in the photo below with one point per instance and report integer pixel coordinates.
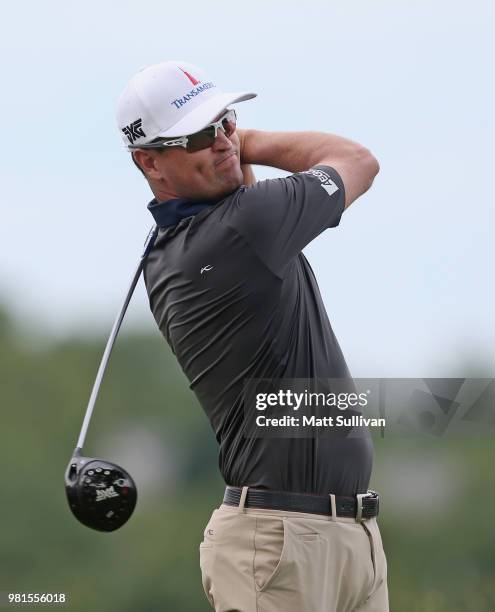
(190, 77)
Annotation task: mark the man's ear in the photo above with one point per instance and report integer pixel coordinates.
(145, 160)
(137, 165)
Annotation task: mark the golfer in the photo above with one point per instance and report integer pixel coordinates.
(237, 300)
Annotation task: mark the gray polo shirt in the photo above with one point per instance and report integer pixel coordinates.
(236, 299)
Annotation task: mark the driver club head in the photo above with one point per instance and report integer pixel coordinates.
(101, 495)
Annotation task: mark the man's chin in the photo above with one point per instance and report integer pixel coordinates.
(230, 183)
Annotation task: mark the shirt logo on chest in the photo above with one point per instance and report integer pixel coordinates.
(206, 268)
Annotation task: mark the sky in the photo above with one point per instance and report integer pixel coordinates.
(407, 277)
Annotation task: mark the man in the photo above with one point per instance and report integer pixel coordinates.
(237, 301)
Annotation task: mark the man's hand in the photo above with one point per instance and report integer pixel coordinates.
(248, 174)
(242, 139)
(247, 171)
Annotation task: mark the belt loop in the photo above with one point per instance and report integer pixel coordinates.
(333, 506)
(242, 501)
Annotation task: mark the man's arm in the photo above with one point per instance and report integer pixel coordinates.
(299, 151)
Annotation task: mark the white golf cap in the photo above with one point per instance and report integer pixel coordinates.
(170, 99)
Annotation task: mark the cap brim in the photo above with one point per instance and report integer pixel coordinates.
(203, 115)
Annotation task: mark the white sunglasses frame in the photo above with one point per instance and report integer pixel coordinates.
(183, 140)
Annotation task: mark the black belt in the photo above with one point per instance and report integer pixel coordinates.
(362, 506)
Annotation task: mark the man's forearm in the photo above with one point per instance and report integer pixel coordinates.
(293, 151)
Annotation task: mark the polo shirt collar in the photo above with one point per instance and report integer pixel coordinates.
(170, 212)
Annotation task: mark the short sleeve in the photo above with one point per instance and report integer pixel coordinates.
(279, 217)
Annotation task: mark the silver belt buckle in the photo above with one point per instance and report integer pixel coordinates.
(360, 497)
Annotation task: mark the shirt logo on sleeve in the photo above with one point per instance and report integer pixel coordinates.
(325, 181)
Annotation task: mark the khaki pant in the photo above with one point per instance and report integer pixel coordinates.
(257, 560)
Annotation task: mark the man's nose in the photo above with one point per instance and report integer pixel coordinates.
(222, 142)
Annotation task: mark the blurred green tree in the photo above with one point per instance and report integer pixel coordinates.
(438, 561)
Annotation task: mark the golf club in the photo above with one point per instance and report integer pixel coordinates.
(101, 494)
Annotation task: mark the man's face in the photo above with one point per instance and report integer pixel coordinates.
(210, 173)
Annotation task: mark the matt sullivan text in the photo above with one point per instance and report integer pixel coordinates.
(313, 421)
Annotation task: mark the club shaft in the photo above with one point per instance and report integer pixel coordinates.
(111, 342)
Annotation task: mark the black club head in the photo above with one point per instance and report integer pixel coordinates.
(101, 495)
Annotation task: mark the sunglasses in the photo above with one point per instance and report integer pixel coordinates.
(199, 140)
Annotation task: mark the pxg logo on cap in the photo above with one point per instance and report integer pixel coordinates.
(169, 100)
(134, 130)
